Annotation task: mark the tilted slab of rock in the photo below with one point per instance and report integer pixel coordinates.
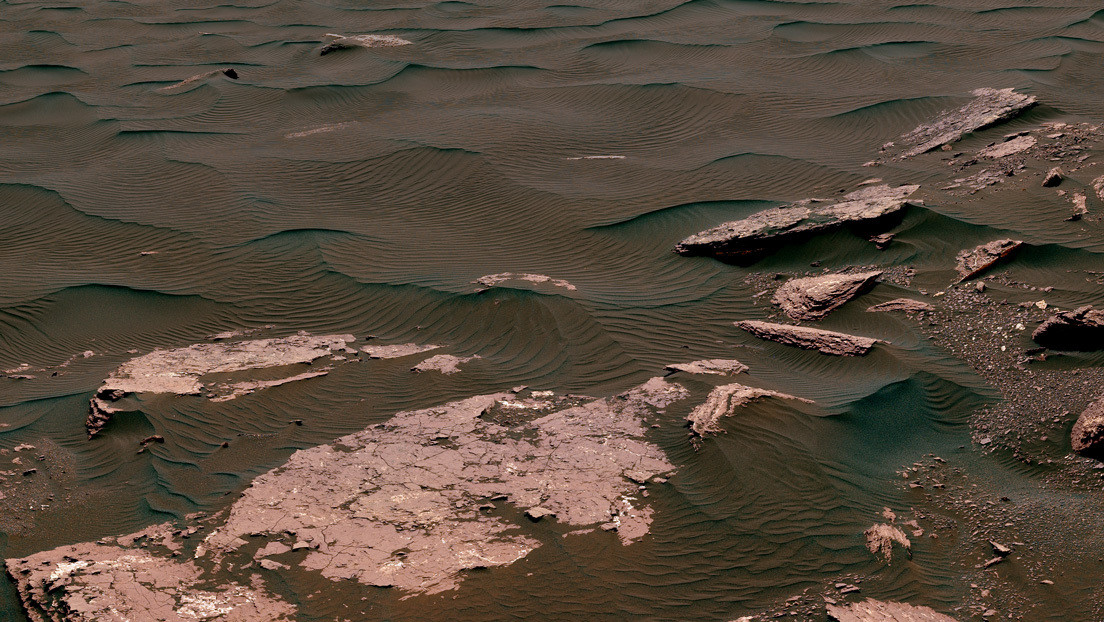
(396, 350)
(180, 370)
(989, 107)
(825, 341)
(92, 582)
(814, 297)
(404, 503)
(901, 304)
(344, 42)
(977, 260)
(770, 228)
(1079, 330)
(871, 610)
(1087, 436)
(445, 363)
(723, 402)
(1009, 147)
(491, 280)
(718, 367)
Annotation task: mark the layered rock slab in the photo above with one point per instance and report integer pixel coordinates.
(768, 229)
(180, 371)
(413, 502)
(1078, 330)
(824, 341)
(716, 367)
(907, 305)
(92, 582)
(723, 402)
(871, 610)
(812, 298)
(976, 261)
(988, 108)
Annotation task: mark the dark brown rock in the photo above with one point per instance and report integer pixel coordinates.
(1080, 330)
(230, 73)
(769, 229)
(1088, 432)
(825, 341)
(814, 297)
(975, 261)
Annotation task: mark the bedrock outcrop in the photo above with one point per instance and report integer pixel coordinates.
(824, 341)
(812, 298)
(1081, 330)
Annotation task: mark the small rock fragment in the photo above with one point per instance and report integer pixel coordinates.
(1053, 177)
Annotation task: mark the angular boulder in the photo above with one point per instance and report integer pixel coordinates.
(771, 228)
(814, 297)
(1079, 330)
(989, 107)
(907, 305)
(1088, 432)
(824, 341)
(717, 367)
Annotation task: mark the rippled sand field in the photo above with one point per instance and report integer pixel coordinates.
(367, 190)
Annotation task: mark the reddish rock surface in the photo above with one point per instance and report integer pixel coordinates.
(901, 304)
(1081, 330)
(825, 341)
(723, 401)
(871, 610)
(814, 297)
(1087, 436)
(975, 261)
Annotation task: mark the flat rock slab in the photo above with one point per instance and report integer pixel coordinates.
(92, 582)
(871, 610)
(399, 504)
(724, 401)
(1087, 436)
(825, 341)
(989, 107)
(768, 229)
(447, 364)
(717, 367)
(493, 280)
(395, 351)
(1078, 330)
(976, 261)
(814, 297)
(901, 304)
(181, 371)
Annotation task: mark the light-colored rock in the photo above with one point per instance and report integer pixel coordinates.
(1087, 436)
(717, 367)
(444, 363)
(812, 298)
(723, 402)
(492, 280)
(770, 228)
(871, 610)
(976, 261)
(1009, 147)
(901, 304)
(989, 107)
(880, 539)
(825, 341)
(395, 351)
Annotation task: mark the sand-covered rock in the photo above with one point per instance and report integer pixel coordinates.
(812, 298)
(343, 42)
(1079, 330)
(716, 367)
(184, 371)
(824, 341)
(768, 229)
(880, 539)
(871, 610)
(399, 504)
(975, 261)
(901, 304)
(493, 280)
(1087, 436)
(723, 402)
(989, 107)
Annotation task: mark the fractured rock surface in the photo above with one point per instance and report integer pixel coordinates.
(901, 304)
(445, 363)
(1080, 330)
(989, 107)
(491, 280)
(344, 42)
(977, 260)
(825, 341)
(396, 350)
(723, 402)
(92, 582)
(398, 504)
(871, 610)
(773, 227)
(880, 539)
(814, 297)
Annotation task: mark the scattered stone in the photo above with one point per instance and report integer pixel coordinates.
(880, 539)
(872, 610)
(1080, 330)
(769, 229)
(718, 367)
(444, 363)
(993, 562)
(999, 549)
(1053, 177)
(1087, 436)
(825, 341)
(990, 107)
(723, 402)
(814, 297)
(973, 262)
(901, 304)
